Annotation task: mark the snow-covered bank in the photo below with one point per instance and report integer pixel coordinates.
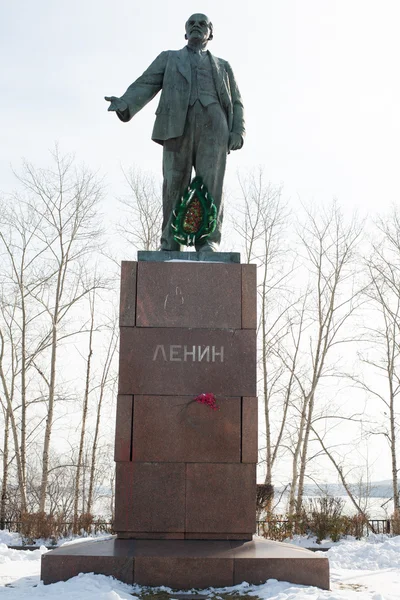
(360, 570)
(15, 539)
(375, 553)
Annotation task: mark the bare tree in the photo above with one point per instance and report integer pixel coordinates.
(289, 353)
(19, 316)
(9, 370)
(261, 223)
(67, 200)
(339, 466)
(85, 404)
(141, 225)
(330, 246)
(4, 482)
(381, 349)
(108, 379)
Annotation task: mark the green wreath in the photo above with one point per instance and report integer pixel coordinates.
(195, 217)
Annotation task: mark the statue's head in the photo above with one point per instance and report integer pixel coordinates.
(199, 28)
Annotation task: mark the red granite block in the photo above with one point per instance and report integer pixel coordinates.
(123, 496)
(249, 430)
(202, 295)
(150, 497)
(249, 296)
(123, 429)
(127, 311)
(182, 362)
(65, 567)
(259, 560)
(177, 429)
(184, 564)
(220, 498)
(181, 573)
(145, 535)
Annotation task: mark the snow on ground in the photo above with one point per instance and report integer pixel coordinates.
(10, 538)
(360, 570)
(15, 539)
(98, 537)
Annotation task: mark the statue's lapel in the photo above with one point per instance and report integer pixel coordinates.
(217, 74)
(184, 63)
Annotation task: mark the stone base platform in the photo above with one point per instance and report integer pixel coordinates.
(186, 564)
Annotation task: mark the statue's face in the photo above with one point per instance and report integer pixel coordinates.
(198, 28)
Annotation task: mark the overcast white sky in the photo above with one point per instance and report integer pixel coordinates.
(319, 79)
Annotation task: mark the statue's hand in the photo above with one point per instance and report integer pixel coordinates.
(235, 141)
(116, 103)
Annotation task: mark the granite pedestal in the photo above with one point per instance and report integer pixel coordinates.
(186, 474)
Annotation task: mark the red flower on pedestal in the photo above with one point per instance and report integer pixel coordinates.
(208, 399)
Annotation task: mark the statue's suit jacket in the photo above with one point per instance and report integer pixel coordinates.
(171, 73)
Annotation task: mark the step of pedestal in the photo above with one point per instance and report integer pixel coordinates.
(186, 564)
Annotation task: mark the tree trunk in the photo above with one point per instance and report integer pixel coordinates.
(94, 457)
(268, 473)
(84, 417)
(393, 451)
(9, 411)
(344, 482)
(49, 419)
(295, 461)
(303, 462)
(104, 379)
(4, 482)
(23, 388)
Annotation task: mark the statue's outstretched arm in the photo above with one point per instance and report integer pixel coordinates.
(141, 91)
